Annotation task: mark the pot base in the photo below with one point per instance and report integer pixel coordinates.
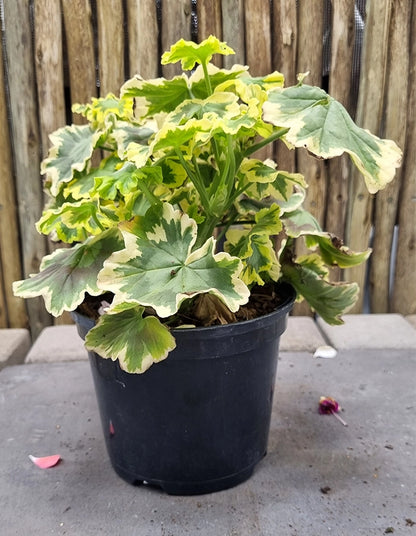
(189, 488)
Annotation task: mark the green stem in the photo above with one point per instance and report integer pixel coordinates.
(195, 179)
(273, 137)
(207, 78)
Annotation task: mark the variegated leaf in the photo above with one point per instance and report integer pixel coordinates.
(190, 53)
(128, 136)
(329, 300)
(322, 125)
(111, 177)
(158, 268)
(67, 274)
(156, 96)
(71, 151)
(135, 341)
(83, 218)
(254, 246)
(99, 109)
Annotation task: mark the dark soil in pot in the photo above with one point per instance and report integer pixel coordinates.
(197, 422)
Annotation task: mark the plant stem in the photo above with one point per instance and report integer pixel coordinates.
(273, 137)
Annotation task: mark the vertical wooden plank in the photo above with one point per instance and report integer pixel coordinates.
(12, 310)
(144, 53)
(340, 85)
(26, 145)
(210, 23)
(259, 48)
(395, 117)
(233, 31)
(80, 50)
(110, 46)
(369, 115)
(404, 290)
(258, 38)
(309, 58)
(284, 51)
(176, 24)
(310, 39)
(49, 68)
(3, 306)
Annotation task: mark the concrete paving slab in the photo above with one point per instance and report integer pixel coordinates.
(301, 335)
(14, 345)
(57, 343)
(411, 319)
(375, 331)
(318, 478)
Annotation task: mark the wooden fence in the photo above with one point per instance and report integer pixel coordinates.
(58, 52)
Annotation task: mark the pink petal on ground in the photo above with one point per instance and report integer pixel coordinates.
(46, 461)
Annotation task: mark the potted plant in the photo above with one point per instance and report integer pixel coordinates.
(184, 246)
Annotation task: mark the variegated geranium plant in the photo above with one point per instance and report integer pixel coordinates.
(147, 190)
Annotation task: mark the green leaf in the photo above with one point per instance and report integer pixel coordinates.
(67, 274)
(322, 125)
(128, 135)
(190, 53)
(329, 300)
(156, 96)
(135, 341)
(300, 222)
(257, 171)
(334, 252)
(255, 248)
(71, 151)
(83, 218)
(99, 109)
(217, 77)
(158, 268)
(113, 176)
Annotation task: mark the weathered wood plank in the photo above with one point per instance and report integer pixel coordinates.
(49, 68)
(144, 53)
(26, 145)
(404, 295)
(79, 37)
(233, 31)
(284, 51)
(110, 46)
(210, 23)
(259, 48)
(176, 24)
(12, 310)
(386, 203)
(309, 58)
(3, 306)
(369, 115)
(258, 38)
(340, 84)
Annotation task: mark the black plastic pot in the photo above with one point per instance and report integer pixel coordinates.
(197, 422)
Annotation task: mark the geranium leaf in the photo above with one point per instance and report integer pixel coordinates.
(71, 150)
(254, 246)
(135, 341)
(98, 109)
(190, 53)
(75, 221)
(67, 274)
(158, 268)
(334, 252)
(322, 125)
(329, 300)
(156, 96)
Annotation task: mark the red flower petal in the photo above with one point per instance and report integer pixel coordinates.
(46, 461)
